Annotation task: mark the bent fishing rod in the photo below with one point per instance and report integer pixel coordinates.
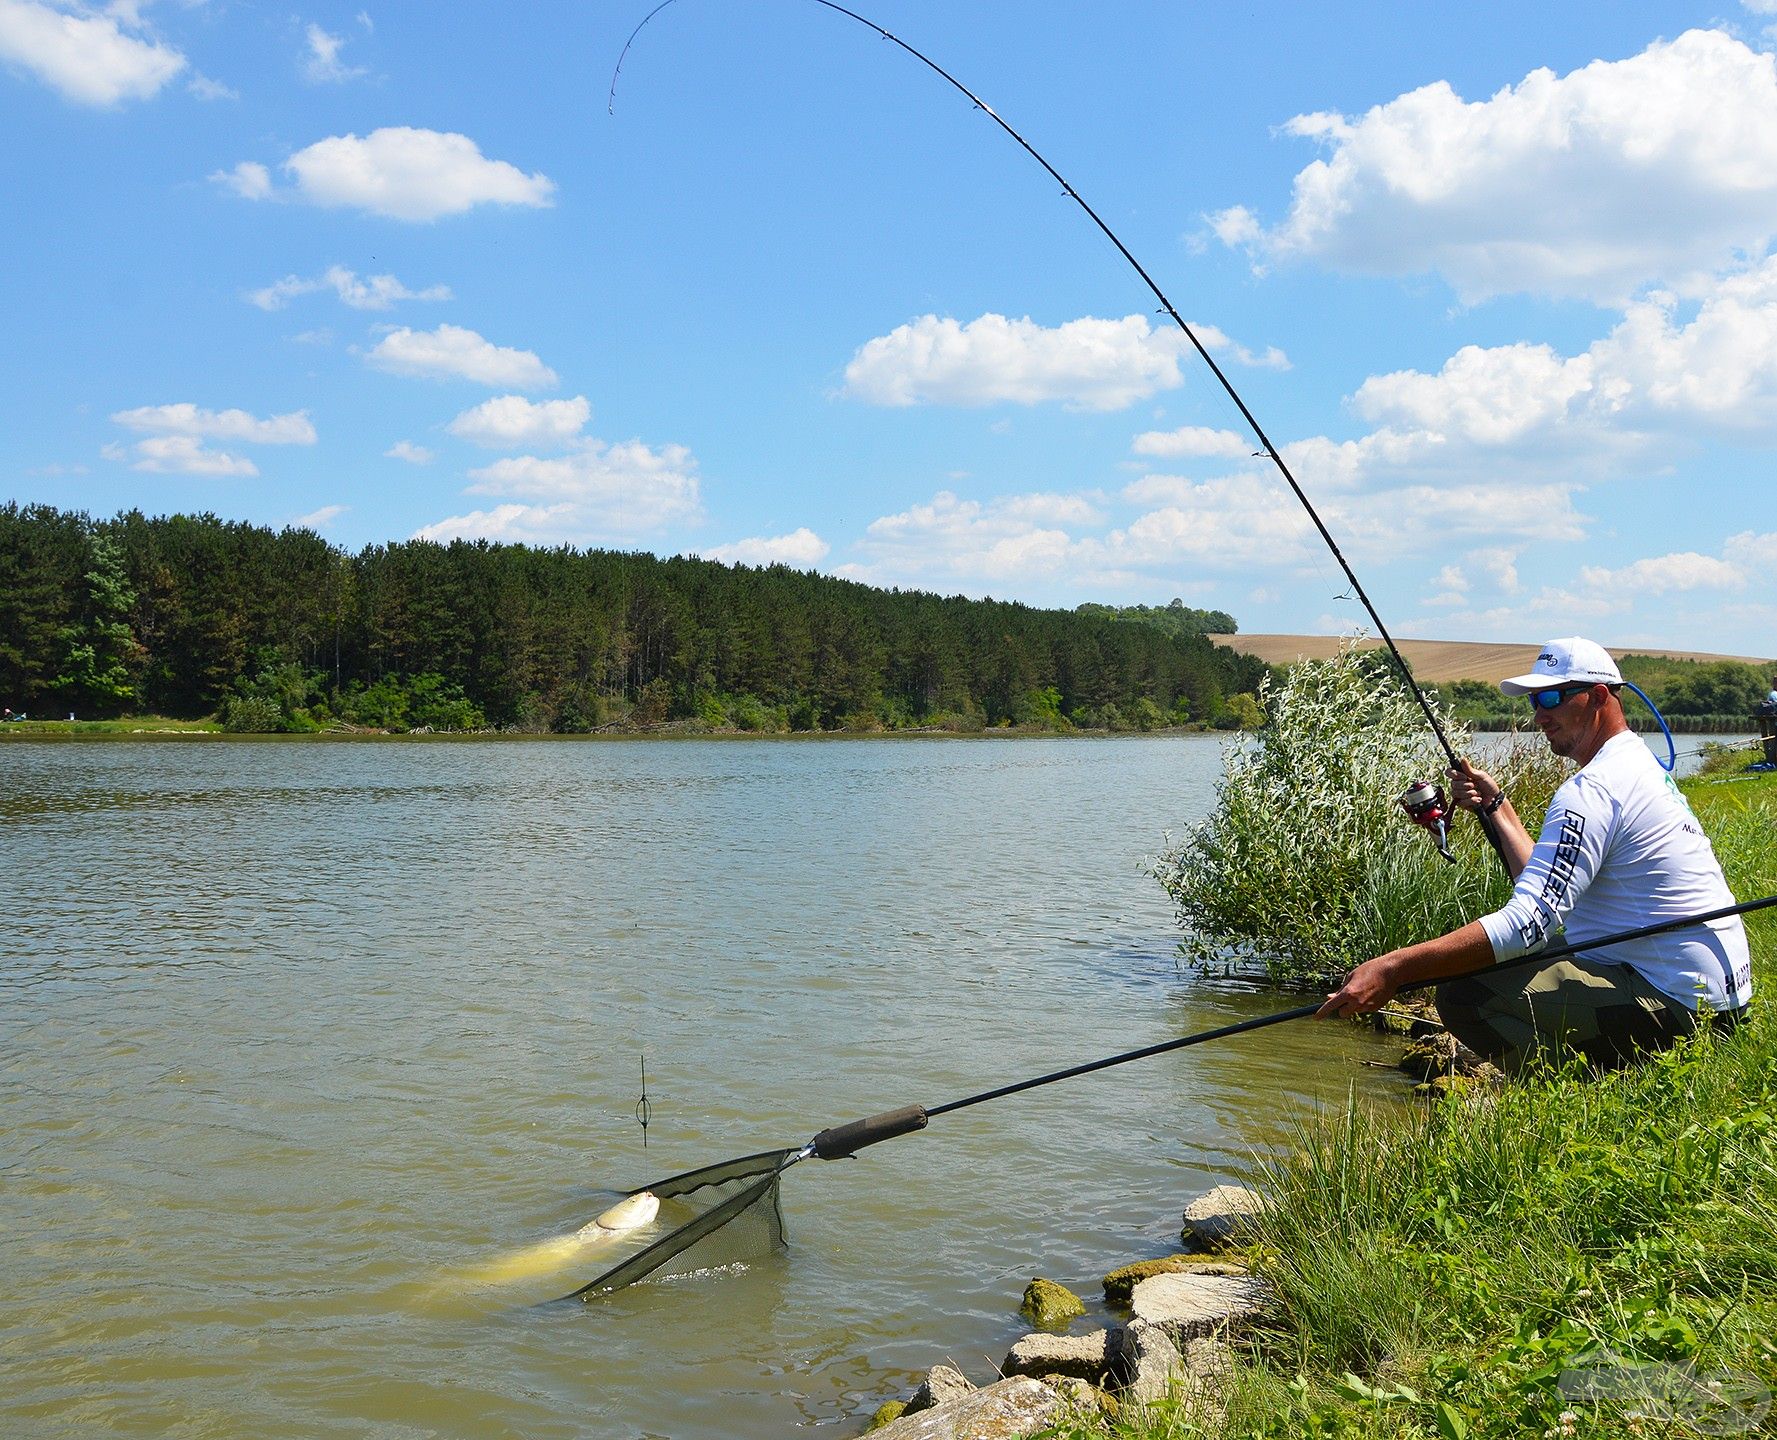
(1489, 823)
(843, 1141)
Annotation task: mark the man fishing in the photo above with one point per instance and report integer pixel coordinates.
(1619, 849)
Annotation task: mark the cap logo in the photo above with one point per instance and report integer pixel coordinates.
(1546, 658)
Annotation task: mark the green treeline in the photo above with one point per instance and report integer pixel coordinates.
(190, 615)
(1177, 618)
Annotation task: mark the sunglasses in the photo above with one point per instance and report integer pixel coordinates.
(1550, 699)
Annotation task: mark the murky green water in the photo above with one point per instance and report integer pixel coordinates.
(293, 1034)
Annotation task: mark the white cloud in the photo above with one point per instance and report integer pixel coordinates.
(321, 64)
(373, 292)
(509, 422)
(189, 420)
(205, 88)
(250, 180)
(399, 172)
(1016, 538)
(599, 494)
(319, 519)
(86, 57)
(1661, 168)
(801, 548)
(1087, 364)
(1193, 440)
(411, 453)
(451, 350)
(179, 455)
(1662, 575)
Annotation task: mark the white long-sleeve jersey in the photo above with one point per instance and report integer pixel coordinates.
(1620, 849)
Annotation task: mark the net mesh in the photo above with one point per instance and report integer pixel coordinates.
(720, 1214)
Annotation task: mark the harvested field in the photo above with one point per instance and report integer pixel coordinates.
(1436, 661)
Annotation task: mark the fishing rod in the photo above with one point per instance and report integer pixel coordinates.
(832, 1144)
(751, 1180)
(1422, 816)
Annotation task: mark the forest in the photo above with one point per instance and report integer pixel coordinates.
(192, 615)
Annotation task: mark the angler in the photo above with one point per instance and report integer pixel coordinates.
(1619, 846)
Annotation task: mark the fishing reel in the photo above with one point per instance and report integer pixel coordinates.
(1427, 808)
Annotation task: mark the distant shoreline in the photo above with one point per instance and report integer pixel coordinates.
(1439, 661)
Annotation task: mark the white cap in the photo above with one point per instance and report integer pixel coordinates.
(1572, 661)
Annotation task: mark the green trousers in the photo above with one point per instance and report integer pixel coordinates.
(1607, 1013)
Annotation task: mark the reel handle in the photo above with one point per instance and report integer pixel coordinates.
(840, 1142)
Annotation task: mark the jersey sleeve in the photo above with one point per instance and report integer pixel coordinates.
(1563, 863)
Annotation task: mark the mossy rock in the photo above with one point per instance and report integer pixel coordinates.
(1442, 1087)
(1120, 1284)
(886, 1414)
(1050, 1306)
(1084, 1398)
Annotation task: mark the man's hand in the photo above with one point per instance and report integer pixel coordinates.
(1366, 989)
(1471, 788)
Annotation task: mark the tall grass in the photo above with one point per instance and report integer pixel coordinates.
(1307, 866)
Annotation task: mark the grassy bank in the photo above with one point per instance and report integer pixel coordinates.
(1568, 1256)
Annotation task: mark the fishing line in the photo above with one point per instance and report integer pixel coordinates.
(1488, 823)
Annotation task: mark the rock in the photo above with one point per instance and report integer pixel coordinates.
(1084, 1356)
(888, 1411)
(1150, 1368)
(1187, 1306)
(1083, 1397)
(1007, 1410)
(1227, 1215)
(943, 1383)
(1120, 1282)
(1146, 1365)
(1050, 1305)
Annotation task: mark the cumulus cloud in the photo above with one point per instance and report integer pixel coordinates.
(598, 494)
(1662, 575)
(196, 423)
(510, 422)
(453, 352)
(373, 292)
(319, 519)
(1087, 364)
(801, 548)
(321, 64)
(399, 172)
(1658, 169)
(1193, 441)
(250, 180)
(411, 453)
(85, 57)
(1656, 379)
(179, 455)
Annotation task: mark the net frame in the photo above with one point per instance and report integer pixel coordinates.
(762, 1170)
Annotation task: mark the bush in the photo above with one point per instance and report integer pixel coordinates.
(252, 715)
(1307, 866)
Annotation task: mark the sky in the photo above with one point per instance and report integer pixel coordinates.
(1499, 281)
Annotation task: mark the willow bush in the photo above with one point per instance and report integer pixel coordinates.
(1307, 865)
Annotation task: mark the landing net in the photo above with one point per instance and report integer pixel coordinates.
(738, 1198)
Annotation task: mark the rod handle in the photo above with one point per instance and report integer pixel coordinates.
(841, 1141)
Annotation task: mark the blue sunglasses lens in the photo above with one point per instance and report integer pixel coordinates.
(1549, 699)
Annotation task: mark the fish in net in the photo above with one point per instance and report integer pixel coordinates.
(720, 1214)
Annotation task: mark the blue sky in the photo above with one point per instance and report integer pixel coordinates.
(1499, 279)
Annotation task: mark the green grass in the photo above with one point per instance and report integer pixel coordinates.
(132, 725)
(1570, 1255)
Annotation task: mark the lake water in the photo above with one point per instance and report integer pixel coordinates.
(296, 1034)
